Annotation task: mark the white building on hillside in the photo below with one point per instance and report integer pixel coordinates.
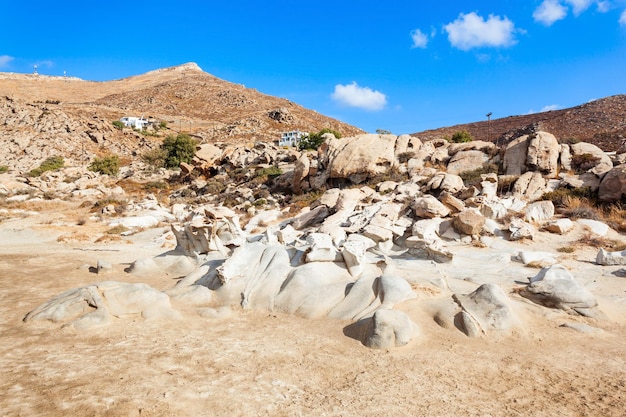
(134, 122)
(291, 138)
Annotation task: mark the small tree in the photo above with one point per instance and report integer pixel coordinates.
(180, 148)
(461, 136)
(109, 165)
(383, 132)
(119, 124)
(314, 140)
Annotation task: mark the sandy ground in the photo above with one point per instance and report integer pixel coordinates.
(270, 364)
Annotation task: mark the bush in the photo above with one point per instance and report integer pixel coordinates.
(475, 176)
(584, 162)
(461, 136)
(50, 164)
(271, 172)
(180, 148)
(155, 157)
(109, 165)
(314, 140)
(3, 169)
(118, 124)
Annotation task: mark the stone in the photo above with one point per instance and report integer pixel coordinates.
(560, 226)
(539, 211)
(605, 257)
(515, 156)
(465, 161)
(300, 172)
(321, 248)
(428, 207)
(353, 253)
(469, 222)
(310, 218)
(555, 286)
(613, 185)
(443, 181)
(95, 305)
(530, 186)
(543, 154)
(519, 229)
(537, 257)
(600, 165)
(360, 157)
(389, 329)
(594, 226)
(455, 204)
(488, 307)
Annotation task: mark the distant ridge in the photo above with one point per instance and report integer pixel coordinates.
(601, 122)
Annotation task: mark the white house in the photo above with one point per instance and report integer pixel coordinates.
(134, 122)
(291, 138)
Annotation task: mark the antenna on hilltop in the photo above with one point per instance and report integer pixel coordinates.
(489, 126)
(35, 71)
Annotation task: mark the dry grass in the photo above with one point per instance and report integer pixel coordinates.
(595, 241)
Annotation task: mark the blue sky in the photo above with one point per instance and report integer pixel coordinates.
(402, 66)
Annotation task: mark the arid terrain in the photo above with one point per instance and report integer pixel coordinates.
(342, 281)
(255, 363)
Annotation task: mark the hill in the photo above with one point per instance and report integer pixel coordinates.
(42, 115)
(601, 122)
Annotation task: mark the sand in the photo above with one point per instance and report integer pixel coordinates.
(260, 363)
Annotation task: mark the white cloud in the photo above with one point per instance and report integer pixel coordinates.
(5, 60)
(549, 108)
(544, 109)
(622, 18)
(604, 6)
(420, 39)
(472, 31)
(549, 12)
(353, 95)
(579, 6)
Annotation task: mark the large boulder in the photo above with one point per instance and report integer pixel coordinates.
(515, 155)
(95, 305)
(487, 308)
(361, 157)
(543, 154)
(469, 222)
(590, 158)
(605, 257)
(465, 161)
(555, 286)
(530, 186)
(613, 185)
(428, 207)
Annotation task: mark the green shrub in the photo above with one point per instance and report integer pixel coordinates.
(474, 177)
(119, 124)
(180, 148)
(461, 136)
(162, 124)
(314, 140)
(271, 172)
(50, 164)
(109, 165)
(3, 169)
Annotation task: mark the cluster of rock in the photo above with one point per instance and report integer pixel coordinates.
(340, 259)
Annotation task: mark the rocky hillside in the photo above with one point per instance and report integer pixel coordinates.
(42, 116)
(600, 122)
